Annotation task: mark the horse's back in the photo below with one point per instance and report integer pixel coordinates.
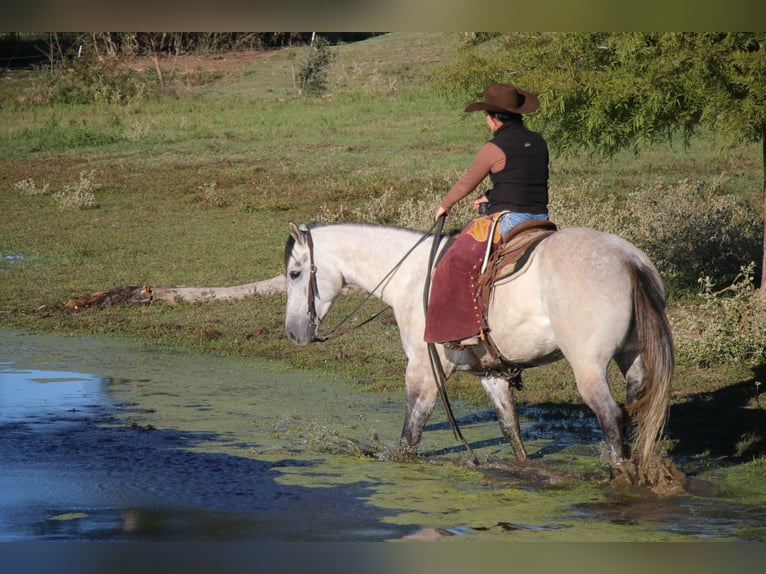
(585, 256)
(585, 246)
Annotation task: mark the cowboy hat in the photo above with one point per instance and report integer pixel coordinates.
(505, 98)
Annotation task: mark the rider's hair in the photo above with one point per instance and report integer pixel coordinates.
(506, 117)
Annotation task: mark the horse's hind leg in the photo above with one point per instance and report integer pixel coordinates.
(499, 390)
(632, 368)
(593, 387)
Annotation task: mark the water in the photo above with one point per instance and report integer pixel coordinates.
(9, 260)
(81, 461)
(114, 440)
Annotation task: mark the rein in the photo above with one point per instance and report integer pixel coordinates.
(333, 333)
(436, 366)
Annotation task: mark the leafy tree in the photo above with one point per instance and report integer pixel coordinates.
(609, 91)
(313, 76)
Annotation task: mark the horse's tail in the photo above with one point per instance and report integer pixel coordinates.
(649, 413)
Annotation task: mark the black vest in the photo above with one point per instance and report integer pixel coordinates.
(522, 185)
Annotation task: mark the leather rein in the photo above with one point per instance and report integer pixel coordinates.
(313, 290)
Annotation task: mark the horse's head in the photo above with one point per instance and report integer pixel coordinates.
(310, 290)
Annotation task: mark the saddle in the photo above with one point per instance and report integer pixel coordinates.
(465, 275)
(511, 253)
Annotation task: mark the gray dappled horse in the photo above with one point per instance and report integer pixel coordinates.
(583, 295)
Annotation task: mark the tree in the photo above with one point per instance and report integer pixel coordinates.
(609, 91)
(313, 76)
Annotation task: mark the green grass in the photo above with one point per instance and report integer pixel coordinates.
(196, 187)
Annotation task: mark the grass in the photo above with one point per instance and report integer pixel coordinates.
(195, 187)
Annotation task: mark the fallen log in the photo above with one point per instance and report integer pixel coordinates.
(145, 294)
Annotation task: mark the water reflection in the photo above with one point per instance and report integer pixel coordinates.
(35, 394)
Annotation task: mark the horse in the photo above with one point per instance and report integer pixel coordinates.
(582, 295)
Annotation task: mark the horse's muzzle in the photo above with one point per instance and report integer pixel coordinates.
(302, 341)
(309, 335)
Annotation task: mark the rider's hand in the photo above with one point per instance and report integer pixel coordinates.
(478, 201)
(439, 212)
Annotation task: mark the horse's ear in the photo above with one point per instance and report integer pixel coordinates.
(296, 233)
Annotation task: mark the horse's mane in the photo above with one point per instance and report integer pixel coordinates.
(362, 224)
(290, 243)
(288, 251)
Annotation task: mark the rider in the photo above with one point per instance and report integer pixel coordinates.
(516, 160)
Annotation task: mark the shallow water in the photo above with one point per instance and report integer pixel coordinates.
(114, 440)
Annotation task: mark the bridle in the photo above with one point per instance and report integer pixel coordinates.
(313, 289)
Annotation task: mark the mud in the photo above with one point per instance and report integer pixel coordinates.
(113, 440)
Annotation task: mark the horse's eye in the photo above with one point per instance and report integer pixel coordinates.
(294, 275)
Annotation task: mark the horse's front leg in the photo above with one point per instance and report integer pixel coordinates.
(421, 394)
(499, 391)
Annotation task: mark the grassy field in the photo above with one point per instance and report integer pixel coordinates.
(195, 186)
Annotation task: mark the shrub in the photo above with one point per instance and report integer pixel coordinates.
(727, 326)
(689, 229)
(86, 81)
(313, 76)
(139, 130)
(695, 230)
(415, 211)
(30, 188)
(79, 195)
(210, 196)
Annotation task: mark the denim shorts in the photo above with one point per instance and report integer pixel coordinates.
(510, 220)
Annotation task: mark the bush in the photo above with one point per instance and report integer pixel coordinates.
(29, 188)
(86, 81)
(727, 326)
(313, 76)
(696, 231)
(414, 211)
(690, 229)
(210, 196)
(79, 195)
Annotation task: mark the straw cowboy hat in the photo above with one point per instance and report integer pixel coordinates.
(505, 98)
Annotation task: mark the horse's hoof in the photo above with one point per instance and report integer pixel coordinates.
(623, 472)
(399, 453)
